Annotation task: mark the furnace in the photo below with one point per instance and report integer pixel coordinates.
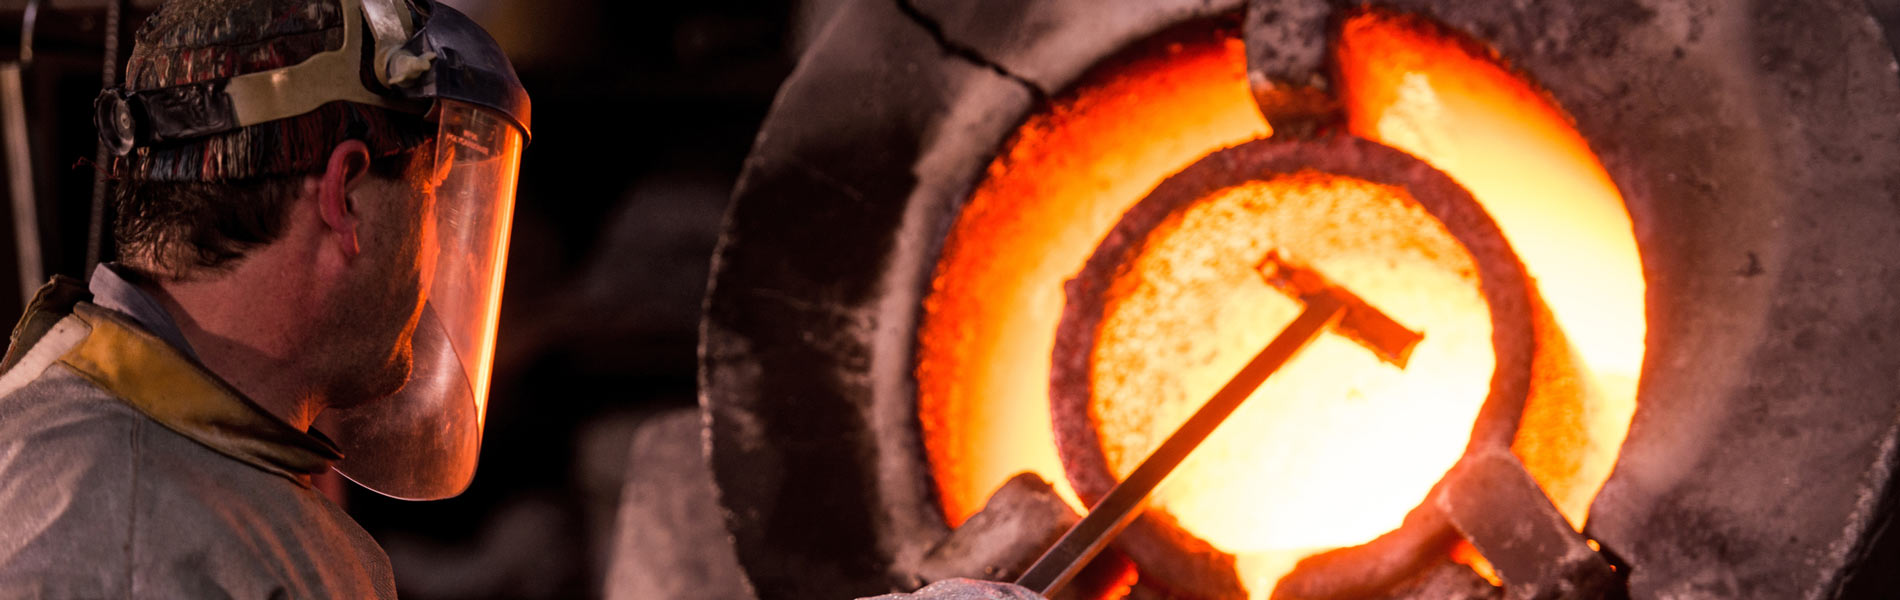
(1643, 245)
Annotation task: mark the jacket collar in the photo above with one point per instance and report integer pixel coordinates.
(159, 380)
(113, 287)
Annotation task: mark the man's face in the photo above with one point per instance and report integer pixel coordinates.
(383, 295)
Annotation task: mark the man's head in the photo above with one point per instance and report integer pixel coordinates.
(367, 221)
(379, 286)
(350, 175)
(285, 159)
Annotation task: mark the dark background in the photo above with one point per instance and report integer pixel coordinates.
(644, 112)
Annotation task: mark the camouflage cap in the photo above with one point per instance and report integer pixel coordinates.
(193, 41)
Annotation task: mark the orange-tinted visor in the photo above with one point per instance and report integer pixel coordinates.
(423, 442)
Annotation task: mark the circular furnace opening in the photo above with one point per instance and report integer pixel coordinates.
(1072, 170)
(1335, 448)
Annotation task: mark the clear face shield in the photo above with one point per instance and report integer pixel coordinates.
(427, 59)
(422, 443)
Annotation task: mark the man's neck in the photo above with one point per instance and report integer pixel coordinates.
(247, 327)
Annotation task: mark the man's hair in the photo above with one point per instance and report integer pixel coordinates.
(198, 205)
(173, 229)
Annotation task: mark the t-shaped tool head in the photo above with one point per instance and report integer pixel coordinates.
(1362, 323)
(1327, 307)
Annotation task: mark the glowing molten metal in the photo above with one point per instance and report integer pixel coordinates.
(1335, 450)
(1337, 446)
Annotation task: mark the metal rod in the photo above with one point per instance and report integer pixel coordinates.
(97, 239)
(1123, 503)
(29, 23)
(19, 161)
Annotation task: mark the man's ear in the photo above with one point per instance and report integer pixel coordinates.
(349, 163)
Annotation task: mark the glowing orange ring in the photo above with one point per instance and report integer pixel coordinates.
(1180, 561)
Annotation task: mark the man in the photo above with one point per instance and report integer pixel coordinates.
(312, 217)
(313, 214)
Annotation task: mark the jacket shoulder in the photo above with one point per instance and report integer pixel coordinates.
(67, 475)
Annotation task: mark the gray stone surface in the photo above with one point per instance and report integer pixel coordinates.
(1498, 507)
(1445, 580)
(1052, 43)
(965, 589)
(1289, 52)
(670, 541)
(871, 146)
(1020, 521)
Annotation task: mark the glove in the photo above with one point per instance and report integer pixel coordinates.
(965, 589)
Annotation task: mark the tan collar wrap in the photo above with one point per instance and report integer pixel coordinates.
(151, 376)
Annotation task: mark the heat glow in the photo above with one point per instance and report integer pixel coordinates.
(1069, 173)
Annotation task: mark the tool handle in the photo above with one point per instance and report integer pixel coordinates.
(1123, 502)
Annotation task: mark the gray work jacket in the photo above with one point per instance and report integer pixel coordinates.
(129, 471)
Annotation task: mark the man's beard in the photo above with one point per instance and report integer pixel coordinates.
(376, 325)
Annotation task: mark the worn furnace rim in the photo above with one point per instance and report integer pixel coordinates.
(1180, 561)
